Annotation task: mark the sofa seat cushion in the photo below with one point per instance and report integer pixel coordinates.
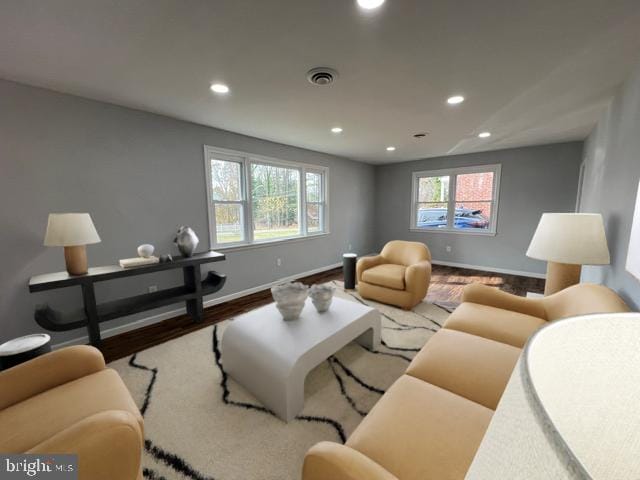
(418, 431)
(28, 423)
(386, 275)
(474, 367)
(493, 323)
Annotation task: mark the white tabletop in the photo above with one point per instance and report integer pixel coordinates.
(290, 339)
(23, 344)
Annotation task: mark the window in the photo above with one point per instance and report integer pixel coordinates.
(275, 201)
(315, 201)
(257, 200)
(227, 197)
(461, 200)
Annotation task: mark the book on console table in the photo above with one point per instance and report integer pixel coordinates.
(138, 261)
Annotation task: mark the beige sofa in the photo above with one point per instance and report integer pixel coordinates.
(68, 402)
(431, 421)
(399, 276)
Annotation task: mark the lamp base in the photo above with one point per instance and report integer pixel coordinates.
(76, 259)
(561, 276)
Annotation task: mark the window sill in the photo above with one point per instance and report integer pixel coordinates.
(268, 243)
(456, 231)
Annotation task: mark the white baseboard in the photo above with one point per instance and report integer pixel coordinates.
(110, 332)
(490, 269)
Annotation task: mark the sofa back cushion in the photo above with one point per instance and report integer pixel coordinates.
(405, 253)
(473, 367)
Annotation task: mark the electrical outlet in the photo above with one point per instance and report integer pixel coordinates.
(448, 248)
(279, 262)
(153, 288)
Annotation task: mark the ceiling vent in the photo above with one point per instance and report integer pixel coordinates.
(322, 76)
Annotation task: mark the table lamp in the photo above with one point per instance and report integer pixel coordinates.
(73, 231)
(570, 409)
(567, 241)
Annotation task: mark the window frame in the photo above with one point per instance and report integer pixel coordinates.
(246, 160)
(453, 173)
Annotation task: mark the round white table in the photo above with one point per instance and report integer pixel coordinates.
(22, 349)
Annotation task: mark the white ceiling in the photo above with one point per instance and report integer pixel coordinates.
(532, 71)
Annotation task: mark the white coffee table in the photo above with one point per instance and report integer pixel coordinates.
(271, 358)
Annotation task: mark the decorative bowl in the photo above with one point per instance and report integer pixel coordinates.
(321, 296)
(290, 298)
(145, 250)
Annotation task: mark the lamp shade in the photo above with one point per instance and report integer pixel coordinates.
(575, 238)
(633, 254)
(570, 409)
(70, 229)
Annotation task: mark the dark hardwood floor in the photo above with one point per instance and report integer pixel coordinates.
(447, 284)
(445, 290)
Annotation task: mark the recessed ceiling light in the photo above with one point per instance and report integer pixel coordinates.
(336, 130)
(456, 99)
(219, 88)
(370, 4)
(484, 134)
(391, 149)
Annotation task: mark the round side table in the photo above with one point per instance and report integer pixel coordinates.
(25, 348)
(349, 270)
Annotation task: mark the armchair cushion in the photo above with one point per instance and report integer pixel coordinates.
(386, 275)
(365, 263)
(36, 419)
(494, 323)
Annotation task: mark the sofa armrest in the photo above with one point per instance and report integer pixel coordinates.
(493, 297)
(333, 461)
(366, 263)
(417, 278)
(46, 372)
(108, 444)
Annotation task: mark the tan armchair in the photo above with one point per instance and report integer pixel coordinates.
(67, 401)
(399, 276)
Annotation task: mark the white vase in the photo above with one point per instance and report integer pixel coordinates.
(145, 250)
(321, 296)
(290, 299)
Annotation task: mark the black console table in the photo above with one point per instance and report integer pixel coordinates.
(191, 292)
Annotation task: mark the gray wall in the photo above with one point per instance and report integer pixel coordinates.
(612, 170)
(140, 176)
(533, 180)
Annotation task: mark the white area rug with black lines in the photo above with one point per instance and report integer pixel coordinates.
(201, 425)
